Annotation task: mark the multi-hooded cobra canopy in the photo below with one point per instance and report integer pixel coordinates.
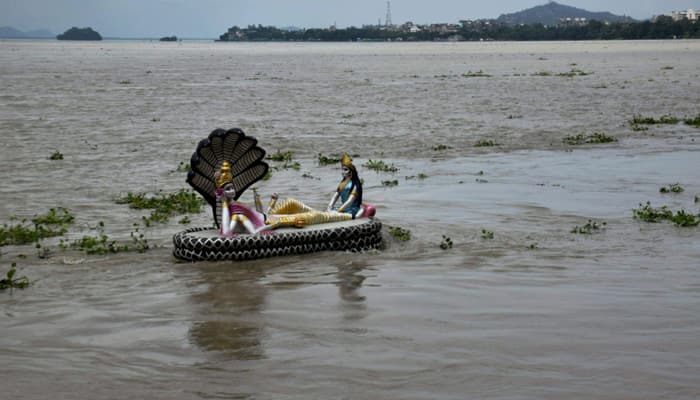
(244, 156)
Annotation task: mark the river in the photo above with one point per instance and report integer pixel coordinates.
(535, 312)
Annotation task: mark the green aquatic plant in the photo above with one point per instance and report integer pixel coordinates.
(164, 205)
(674, 188)
(682, 218)
(10, 282)
(55, 216)
(477, 74)
(57, 155)
(666, 68)
(589, 228)
(327, 160)
(663, 120)
(155, 216)
(100, 243)
(542, 73)
(441, 147)
(183, 167)
(486, 234)
(380, 166)
(52, 223)
(419, 176)
(638, 128)
(648, 213)
(693, 121)
(574, 72)
(446, 243)
(391, 183)
(399, 233)
(23, 234)
(309, 176)
(486, 143)
(138, 239)
(184, 220)
(595, 138)
(280, 156)
(287, 165)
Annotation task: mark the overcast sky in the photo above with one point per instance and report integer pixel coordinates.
(210, 18)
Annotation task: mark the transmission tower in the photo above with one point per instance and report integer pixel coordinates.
(387, 20)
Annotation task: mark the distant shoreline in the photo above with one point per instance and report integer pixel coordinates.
(118, 39)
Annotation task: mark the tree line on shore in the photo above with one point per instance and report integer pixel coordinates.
(661, 28)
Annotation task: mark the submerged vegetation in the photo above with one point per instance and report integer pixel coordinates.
(664, 119)
(56, 155)
(486, 234)
(682, 218)
(183, 166)
(446, 243)
(574, 72)
(53, 223)
(101, 243)
(595, 138)
(10, 282)
(163, 205)
(640, 123)
(400, 234)
(380, 166)
(673, 188)
(280, 156)
(486, 143)
(477, 74)
(441, 147)
(590, 227)
(327, 160)
(693, 121)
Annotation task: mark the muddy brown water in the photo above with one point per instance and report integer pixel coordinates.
(537, 312)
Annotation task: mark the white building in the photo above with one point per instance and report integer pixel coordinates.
(689, 14)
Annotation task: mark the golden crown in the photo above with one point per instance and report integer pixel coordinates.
(224, 175)
(346, 161)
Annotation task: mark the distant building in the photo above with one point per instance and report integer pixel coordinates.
(443, 28)
(689, 14)
(573, 21)
(409, 27)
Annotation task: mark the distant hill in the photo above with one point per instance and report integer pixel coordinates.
(79, 34)
(8, 32)
(550, 13)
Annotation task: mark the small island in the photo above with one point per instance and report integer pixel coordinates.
(79, 34)
(169, 39)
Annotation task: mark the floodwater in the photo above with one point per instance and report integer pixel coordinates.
(536, 312)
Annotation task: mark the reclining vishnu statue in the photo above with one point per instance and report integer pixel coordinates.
(228, 162)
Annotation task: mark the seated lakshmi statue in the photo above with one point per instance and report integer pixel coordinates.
(349, 191)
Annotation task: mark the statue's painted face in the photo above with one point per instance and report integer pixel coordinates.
(346, 172)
